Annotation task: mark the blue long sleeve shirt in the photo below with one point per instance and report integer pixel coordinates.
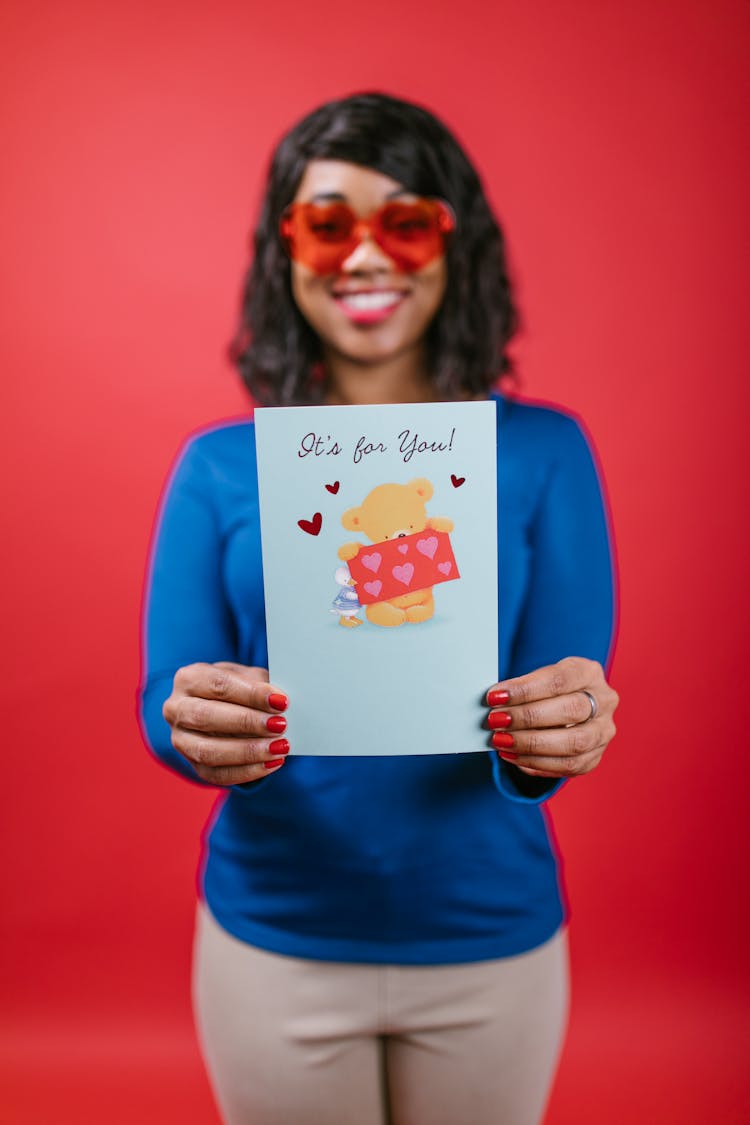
(405, 859)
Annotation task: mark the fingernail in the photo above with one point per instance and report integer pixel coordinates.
(276, 724)
(278, 701)
(503, 741)
(274, 764)
(497, 697)
(506, 756)
(279, 746)
(496, 720)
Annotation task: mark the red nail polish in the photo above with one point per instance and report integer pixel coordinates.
(279, 746)
(502, 741)
(276, 724)
(497, 697)
(497, 720)
(506, 756)
(274, 764)
(278, 701)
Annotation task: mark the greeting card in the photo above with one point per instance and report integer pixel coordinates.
(378, 526)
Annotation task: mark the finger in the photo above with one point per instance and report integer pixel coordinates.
(214, 717)
(238, 775)
(208, 750)
(574, 673)
(244, 670)
(558, 711)
(559, 742)
(233, 685)
(537, 773)
(555, 767)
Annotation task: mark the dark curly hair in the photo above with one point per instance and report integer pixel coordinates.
(277, 353)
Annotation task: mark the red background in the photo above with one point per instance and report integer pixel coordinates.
(611, 137)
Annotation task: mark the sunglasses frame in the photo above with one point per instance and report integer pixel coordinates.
(324, 257)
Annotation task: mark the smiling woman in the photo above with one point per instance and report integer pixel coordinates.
(369, 310)
(362, 153)
(341, 974)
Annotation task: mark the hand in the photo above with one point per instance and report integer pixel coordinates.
(225, 720)
(543, 722)
(349, 551)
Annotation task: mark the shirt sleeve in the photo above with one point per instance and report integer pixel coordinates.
(186, 617)
(569, 608)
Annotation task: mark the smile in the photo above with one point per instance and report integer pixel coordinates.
(370, 306)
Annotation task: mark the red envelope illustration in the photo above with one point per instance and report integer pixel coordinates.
(400, 566)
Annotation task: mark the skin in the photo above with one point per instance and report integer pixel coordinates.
(551, 726)
(218, 712)
(218, 715)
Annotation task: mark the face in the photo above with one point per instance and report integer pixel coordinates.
(369, 310)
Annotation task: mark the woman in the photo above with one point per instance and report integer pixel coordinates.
(418, 973)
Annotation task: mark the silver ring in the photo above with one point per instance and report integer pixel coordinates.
(594, 705)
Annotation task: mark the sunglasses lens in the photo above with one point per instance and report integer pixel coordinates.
(413, 234)
(329, 224)
(321, 237)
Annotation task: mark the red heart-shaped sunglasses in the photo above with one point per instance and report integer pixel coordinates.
(322, 236)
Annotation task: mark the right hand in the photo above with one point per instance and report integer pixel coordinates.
(349, 551)
(219, 715)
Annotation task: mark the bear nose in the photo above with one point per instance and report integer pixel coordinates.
(401, 535)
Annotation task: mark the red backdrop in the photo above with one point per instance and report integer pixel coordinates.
(611, 138)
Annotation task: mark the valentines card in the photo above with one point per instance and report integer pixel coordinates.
(378, 526)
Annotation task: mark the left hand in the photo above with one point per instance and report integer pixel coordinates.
(543, 722)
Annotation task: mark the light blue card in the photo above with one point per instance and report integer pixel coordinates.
(379, 538)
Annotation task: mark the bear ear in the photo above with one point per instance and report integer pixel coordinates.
(422, 487)
(351, 519)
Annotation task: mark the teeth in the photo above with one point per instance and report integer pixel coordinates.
(367, 302)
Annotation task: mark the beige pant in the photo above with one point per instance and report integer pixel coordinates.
(296, 1042)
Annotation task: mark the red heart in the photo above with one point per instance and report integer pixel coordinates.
(457, 481)
(313, 526)
(333, 487)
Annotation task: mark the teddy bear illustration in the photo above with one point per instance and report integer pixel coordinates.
(392, 511)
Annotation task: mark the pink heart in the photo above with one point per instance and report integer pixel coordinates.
(372, 562)
(445, 568)
(374, 588)
(428, 546)
(403, 548)
(403, 573)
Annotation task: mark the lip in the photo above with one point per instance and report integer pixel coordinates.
(369, 306)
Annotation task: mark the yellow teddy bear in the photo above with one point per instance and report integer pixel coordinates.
(392, 511)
